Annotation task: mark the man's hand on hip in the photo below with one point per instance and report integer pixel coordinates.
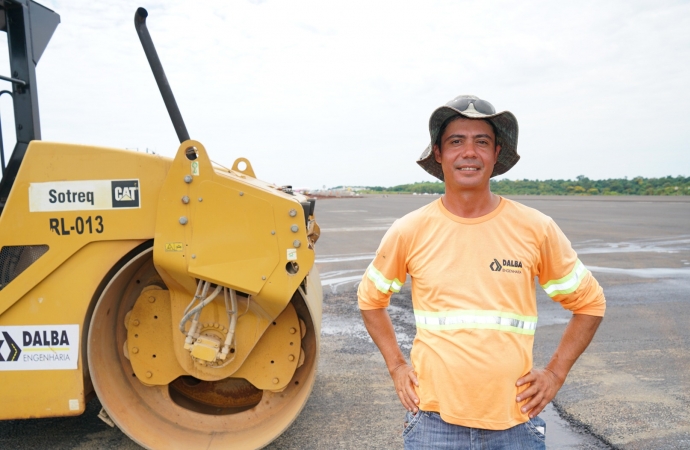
(543, 387)
(544, 384)
(405, 380)
(380, 328)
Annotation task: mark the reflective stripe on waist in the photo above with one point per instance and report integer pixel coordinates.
(477, 319)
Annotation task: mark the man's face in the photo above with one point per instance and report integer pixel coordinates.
(468, 153)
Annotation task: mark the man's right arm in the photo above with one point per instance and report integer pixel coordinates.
(380, 328)
(385, 276)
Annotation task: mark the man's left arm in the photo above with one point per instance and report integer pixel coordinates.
(567, 281)
(545, 383)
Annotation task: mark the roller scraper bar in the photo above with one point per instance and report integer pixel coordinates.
(159, 74)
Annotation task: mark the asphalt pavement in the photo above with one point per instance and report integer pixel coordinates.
(630, 390)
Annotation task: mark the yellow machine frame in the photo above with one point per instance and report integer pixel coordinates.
(182, 293)
(225, 207)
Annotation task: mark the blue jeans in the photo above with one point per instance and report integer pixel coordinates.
(426, 430)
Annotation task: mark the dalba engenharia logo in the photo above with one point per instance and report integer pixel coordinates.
(508, 265)
(15, 351)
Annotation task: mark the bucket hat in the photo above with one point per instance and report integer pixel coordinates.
(504, 123)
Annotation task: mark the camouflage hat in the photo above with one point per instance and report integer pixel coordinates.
(505, 124)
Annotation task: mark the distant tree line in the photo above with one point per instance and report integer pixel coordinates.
(579, 186)
(425, 187)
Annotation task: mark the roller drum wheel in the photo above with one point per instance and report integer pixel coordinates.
(189, 413)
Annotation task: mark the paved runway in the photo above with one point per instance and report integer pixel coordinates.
(632, 387)
(630, 390)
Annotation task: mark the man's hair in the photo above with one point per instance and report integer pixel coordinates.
(452, 119)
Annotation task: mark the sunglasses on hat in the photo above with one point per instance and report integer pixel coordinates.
(462, 103)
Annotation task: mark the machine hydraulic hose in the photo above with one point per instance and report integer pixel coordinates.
(193, 313)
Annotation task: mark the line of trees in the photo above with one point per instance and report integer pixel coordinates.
(579, 186)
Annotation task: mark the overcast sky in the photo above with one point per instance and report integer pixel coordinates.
(319, 93)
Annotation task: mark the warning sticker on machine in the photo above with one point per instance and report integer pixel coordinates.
(84, 195)
(39, 347)
(174, 247)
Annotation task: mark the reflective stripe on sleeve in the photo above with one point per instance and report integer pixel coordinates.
(568, 283)
(478, 319)
(382, 283)
(396, 285)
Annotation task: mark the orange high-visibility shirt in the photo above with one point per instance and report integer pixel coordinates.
(474, 300)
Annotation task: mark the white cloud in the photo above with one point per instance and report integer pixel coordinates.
(318, 93)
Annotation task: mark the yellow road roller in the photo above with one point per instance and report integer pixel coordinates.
(181, 293)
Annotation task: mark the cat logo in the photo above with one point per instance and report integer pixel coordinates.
(125, 193)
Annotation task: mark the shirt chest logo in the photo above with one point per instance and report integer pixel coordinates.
(506, 265)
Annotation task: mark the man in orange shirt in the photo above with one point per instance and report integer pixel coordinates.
(472, 257)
